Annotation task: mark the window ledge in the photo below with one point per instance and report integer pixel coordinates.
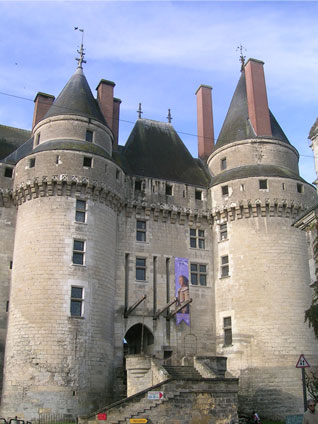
(79, 265)
(142, 281)
(225, 346)
(224, 276)
(198, 248)
(199, 286)
(79, 223)
(142, 242)
(220, 241)
(75, 317)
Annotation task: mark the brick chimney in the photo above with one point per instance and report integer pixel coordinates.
(258, 111)
(115, 127)
(205, 121)
(105, 96)
(43, 102)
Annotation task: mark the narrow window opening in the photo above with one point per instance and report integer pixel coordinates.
(242, 187)
(77, 300)
(225, 190)
(141, 230)
(117, 174)
(223, 164)
(300, 188)
(11, 265)
(80, 213)
(138, 185)
(37, 140)
(7, 306)
(262, 184)
(198, 194)
(227, 327)
(223, 231)
(283, 186)
(78, 252)
(140, 269)
(89, 136)
(168, 189)
(225, 266)
(87, 162)
(8, 172)
(32, 163)
(57, 159)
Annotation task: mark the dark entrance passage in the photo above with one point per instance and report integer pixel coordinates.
(138, 339)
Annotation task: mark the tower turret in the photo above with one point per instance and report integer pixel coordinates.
(68, 190)
(262, 275)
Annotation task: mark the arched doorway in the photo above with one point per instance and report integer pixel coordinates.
(138, 339)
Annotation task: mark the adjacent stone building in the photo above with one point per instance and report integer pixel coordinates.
(110, 250)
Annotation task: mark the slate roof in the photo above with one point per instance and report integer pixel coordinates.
(155, 150)
(76, 98)
(10, 139)
(237, 127)
(255, 171)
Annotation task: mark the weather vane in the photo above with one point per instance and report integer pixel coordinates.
(139, 111)
(169, 117)
(80, 60)
(242, 58)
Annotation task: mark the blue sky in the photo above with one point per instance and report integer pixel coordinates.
(158, 53)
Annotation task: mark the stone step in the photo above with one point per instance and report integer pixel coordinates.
(179, 371)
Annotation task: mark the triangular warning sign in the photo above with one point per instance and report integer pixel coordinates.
(302, 362)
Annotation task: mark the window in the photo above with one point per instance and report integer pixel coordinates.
(80, 214)
(225, 190)
(37, 140)
(168, 189)
(300, 188)
(138, 185)
(223, 231)
(198, 195)
(283, 186)
(198, 274)
(225, 266)
(78, 252)
(117, 174)
(87, 162)
(223, 164)
(227, 328)
(242, 187)
(197, 238)
(8, 172)
(11, 265)
(32, 163)
(141, 230)
(262, 184)
(77, 301)
(140, 269)
(89, 136)
(58, 160)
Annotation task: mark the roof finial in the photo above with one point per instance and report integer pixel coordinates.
(81, 50)
(139, 111)
(242, 58)
(169, 117)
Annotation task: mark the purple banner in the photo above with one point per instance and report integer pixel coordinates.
(182, 289)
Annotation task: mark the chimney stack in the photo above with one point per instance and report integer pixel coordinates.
(115, 128)
(43, 102)
(105, 98)
(205, 121)
(258, 111)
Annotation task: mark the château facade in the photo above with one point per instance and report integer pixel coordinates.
(98, 241)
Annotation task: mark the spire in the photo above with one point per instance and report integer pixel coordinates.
(169, 117)
(242, 57)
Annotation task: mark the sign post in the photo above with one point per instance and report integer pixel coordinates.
(303, 363)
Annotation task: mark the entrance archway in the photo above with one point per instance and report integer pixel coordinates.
(138, 339)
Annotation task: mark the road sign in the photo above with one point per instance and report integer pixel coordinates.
(102, 416)
(302, 362)
(155, 395)
(138, 420)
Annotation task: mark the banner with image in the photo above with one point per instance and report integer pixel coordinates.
(181, 267)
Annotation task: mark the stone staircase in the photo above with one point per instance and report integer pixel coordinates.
(182, 372)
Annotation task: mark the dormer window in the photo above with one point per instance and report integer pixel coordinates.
(89, 136)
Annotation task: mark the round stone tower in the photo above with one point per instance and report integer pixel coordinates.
(261, 262)
(59, 345)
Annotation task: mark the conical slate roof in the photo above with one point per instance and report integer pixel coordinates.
(155, 150)
(76, 98)
(237, 125)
